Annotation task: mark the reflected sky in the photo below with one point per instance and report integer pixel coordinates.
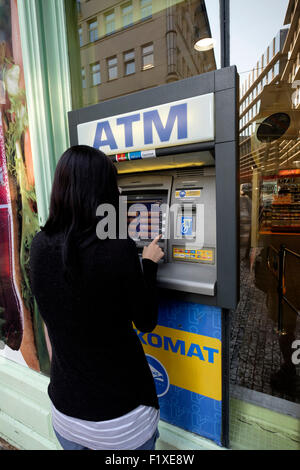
(253, 25)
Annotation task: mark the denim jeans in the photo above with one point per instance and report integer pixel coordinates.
(69, 445)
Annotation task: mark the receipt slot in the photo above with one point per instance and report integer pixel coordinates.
(176, 151)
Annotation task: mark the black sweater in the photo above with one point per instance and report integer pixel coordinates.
(98, 370)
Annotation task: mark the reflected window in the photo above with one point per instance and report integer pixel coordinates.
(147, 56)
(267, 56)
(95, 74)
(112, 67)
(127, 15)
(258, 87)
(146, 8)
(110, 22)
(83, 77)
(270, 75)
(93, 30)
(129, 62)
(277, 43)
(80, 36)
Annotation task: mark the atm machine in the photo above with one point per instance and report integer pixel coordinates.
(176, 151)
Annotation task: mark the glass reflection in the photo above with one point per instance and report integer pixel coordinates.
(270, 220)
(149, 40)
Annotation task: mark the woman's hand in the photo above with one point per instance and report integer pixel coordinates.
(153, 251)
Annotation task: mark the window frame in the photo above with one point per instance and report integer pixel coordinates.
(93, 73)
(146, 55)
(129, 61)
(126, 5)
(93, 30)
(148, 3)
(106, 15)
(109, 67)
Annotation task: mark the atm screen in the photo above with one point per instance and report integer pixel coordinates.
(145, 219)
(145, 216)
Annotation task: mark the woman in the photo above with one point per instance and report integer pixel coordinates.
(89, 291)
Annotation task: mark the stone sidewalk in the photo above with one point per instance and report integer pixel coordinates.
(254, 348)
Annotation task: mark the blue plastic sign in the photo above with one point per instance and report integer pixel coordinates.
(184, 355)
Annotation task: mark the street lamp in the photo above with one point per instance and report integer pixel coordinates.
(204, 44)
(202, 34)
(203, 39)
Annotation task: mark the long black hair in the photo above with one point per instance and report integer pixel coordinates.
(84, 178)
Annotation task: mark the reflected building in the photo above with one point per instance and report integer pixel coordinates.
(130, 46)
(270, 173)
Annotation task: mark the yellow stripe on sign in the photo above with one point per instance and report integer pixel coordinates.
(193, 361)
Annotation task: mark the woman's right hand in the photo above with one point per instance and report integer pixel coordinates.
(153, 251)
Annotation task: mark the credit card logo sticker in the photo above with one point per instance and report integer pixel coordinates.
(160, 375)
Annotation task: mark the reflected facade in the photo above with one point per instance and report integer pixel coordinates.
(266, 323)
(125, 47)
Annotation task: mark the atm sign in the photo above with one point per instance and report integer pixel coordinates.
(176, 123)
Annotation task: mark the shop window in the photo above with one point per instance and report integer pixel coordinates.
(112, 67)
(95, 74)
(147, 57)
(129, 62)
(146, 8)
(127, 15)
(110, 22)
(93, 30)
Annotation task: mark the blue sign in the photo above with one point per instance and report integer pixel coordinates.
(177, 123)
(182, 403)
